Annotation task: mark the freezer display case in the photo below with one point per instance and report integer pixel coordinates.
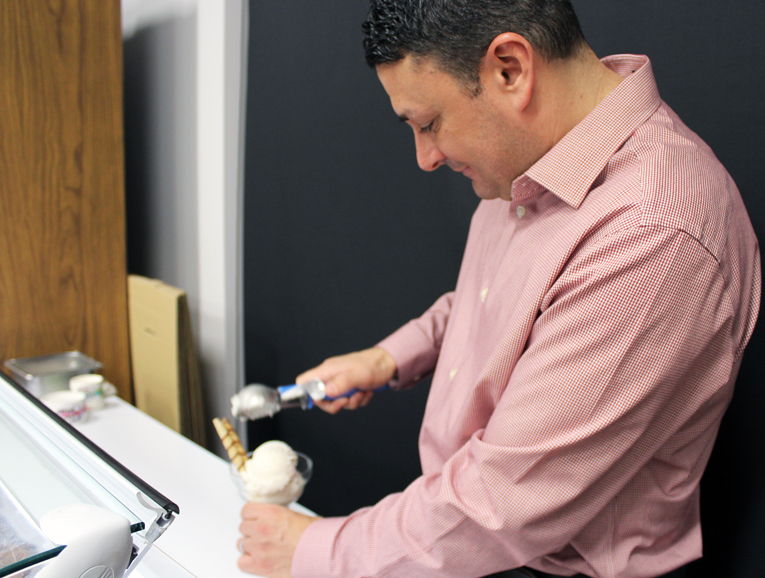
(60, 494)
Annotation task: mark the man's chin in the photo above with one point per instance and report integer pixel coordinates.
(485, 192)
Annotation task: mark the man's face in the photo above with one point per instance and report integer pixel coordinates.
(473, 135)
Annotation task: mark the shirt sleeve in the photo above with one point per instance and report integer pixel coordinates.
(416, 345)
(626, 365)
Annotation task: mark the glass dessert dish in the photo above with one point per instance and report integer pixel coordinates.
(273, 487)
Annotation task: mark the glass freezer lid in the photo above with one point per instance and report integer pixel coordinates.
(46, 463)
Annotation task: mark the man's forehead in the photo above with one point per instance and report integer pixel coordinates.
(410, 67)
(417, 81)
(413, 85)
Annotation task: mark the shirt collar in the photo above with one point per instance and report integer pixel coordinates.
(569, 169)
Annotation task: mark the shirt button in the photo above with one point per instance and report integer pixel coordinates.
(520, 210)
(484, 293)
(452, 373)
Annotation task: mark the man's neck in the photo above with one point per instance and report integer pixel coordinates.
(571, 90)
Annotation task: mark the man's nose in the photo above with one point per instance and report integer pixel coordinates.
(429, 156)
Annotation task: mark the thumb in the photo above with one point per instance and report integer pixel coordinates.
(338, 385)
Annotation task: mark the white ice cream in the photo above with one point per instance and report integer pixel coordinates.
(254, 402)
(271, 475)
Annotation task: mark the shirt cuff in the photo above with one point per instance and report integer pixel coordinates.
(414, 354)
(313, 555)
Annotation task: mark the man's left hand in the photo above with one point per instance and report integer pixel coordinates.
(269, 537)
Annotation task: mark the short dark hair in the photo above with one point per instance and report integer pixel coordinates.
(457, 33)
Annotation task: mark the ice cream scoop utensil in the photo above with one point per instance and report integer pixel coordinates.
(256, 401)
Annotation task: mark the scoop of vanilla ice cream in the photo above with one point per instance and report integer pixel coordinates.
(271, 475)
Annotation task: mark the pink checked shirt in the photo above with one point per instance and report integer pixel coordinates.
(580, 368)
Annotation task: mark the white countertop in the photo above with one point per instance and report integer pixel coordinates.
(203, 537)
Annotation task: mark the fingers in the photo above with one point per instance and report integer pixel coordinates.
(364, 370)
(357, 400)
(332, 406)
(254, 511)
(269, 537)
(339, 374)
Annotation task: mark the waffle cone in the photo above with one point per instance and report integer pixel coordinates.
(231, 442)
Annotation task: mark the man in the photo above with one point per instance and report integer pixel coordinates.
(581, 367)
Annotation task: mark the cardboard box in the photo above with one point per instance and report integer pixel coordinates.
(164, 361)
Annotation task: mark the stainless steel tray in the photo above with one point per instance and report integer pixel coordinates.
(41, 375)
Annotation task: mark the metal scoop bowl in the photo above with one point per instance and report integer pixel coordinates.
(257, 401)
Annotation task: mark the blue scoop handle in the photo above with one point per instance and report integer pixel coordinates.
(283, 388)
(356, 390)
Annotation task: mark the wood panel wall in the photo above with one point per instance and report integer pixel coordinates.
(63, 282)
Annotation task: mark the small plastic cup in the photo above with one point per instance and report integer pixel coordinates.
(68, 404)
(92, 385)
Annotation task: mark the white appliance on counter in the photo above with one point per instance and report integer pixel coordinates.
(57, 488)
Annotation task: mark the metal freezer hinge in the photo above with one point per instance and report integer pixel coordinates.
(157, 528)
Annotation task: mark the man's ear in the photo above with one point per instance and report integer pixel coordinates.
(508, 66)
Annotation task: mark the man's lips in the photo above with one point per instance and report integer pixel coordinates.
(459, 168)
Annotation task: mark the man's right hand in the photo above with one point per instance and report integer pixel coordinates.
(364, 370)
